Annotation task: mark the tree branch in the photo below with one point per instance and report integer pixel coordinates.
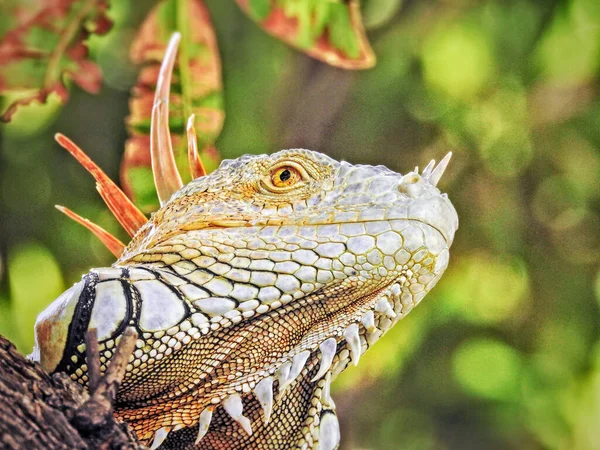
(39, 411)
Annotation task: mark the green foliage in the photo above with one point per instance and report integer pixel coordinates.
(340, 31)
(34, 280)
(505, 352)
(259, 9)
(458, 59)
(488, 368)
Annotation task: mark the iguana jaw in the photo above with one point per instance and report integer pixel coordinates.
(331, 328)
(349, 314)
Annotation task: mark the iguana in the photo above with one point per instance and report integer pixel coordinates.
(251, 289)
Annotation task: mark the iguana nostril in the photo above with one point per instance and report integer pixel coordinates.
(411, 178)
(411, 185)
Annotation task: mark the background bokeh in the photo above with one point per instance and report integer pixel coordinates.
(505, 352)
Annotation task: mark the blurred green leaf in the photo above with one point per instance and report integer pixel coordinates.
(35, 280)
(411, 427)
(559, 203)
(259, 9)
(585, 410)
(569, 52)
(499, 124)
(597, 287)
(488, 368)
(8, 328)
(341, 32)
(458, 59)
(377, 13)
(487, 289)
(33, 119)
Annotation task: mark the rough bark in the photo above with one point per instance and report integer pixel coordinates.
(41, 411)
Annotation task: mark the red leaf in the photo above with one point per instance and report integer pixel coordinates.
(331, 31)
(45, 46)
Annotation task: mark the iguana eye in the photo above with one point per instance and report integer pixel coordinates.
(285, 176)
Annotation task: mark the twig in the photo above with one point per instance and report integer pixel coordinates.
(93, 359)
(109, 385)
(94, 413)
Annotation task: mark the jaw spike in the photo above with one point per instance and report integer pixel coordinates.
(326, 392)
(428, 169)
(159, 437)
(368, 321)
(353, 340)
(115, 246)
(437, 173)
(283, 376)
(383, 306)
(264, 394)
(204, 422)
(196, 167)
(328, 348)
(233, 406)
(329, 433)
(166, 176)
(119, 204)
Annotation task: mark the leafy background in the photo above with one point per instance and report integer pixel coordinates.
(505, 352)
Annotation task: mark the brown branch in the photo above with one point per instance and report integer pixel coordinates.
(39, 411)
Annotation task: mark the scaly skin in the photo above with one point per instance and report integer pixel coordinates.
(251, 276)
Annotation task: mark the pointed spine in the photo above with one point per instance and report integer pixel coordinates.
(130, 218)
(264, 394)
(166, 176)
(368, 321)
(159, 437)
(328, 348)
(196, 167)
(428, 169)
(383, 306)
(283, 373)
(437, 173)
(326, 392)
(114, 245)
(204, 422)
(298, 363)
(233, 406)
(353, 340)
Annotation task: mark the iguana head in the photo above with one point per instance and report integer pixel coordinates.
(295, 187)
(251, 289)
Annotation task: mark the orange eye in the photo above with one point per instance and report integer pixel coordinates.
(285, 176)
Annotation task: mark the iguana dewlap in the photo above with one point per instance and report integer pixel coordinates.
(251, 290)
